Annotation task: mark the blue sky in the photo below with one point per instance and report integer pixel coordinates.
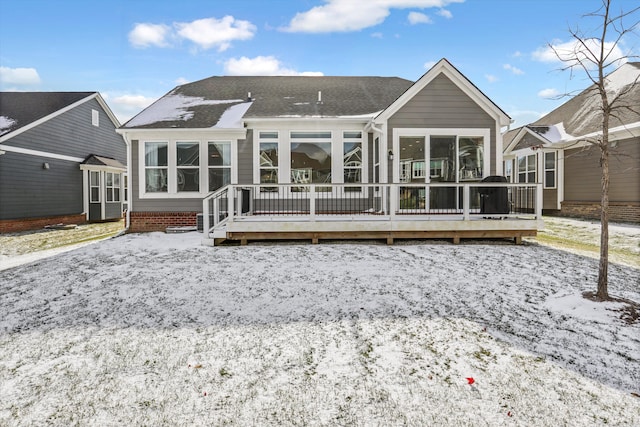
(134, 51)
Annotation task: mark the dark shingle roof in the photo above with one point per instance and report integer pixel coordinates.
(92, 159)
(582, 115)
(203, 104)
(19, 109)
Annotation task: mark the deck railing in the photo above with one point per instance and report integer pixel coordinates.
(317, 202)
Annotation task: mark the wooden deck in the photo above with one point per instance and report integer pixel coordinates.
(243, 214)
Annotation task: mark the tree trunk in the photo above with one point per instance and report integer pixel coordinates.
(603, 271)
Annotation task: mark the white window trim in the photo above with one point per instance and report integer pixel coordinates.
(554, 169)
(527, 171)
(172, 168)
(199, 167)
(427, 133)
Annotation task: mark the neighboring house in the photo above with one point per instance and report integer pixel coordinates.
(557, 151)
(322, 157)
(61, 160)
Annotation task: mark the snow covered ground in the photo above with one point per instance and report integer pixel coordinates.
(156, 329)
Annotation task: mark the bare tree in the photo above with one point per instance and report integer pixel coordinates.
(595, 56)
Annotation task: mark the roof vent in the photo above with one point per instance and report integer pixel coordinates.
(319, 97)
(249, 96)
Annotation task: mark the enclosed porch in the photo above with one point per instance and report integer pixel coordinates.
(315, 212)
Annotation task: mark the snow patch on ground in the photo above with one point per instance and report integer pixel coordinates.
(156, 329)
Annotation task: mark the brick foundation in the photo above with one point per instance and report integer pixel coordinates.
(618, 211)
(159, 221)
(25, 224)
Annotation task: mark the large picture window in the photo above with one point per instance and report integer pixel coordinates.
(156, 166)
(310, 157)
(188, 166)
(219, 164)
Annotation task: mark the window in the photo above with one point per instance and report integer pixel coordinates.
(112, 186)
(219, 163)
(352, 158)
(268, 159)
(156, 167)
(95, 118)
(94, 187)
(310, 157)
(508, 170)
(412, 159)
(550, 169)
(188, 166)
(527, 169)
(126, 187)
(470, 158)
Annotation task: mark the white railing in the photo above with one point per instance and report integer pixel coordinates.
(361, 202)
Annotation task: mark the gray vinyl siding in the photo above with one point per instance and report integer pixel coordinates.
(155, 205)
(29, 191)
(72, 134)
(582, 173)
(112, 210)
(550, 199)
(442, 104)
(245, 159)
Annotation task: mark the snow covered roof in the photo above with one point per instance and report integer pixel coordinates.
(224, 102)
(581, 115)
(19, 109)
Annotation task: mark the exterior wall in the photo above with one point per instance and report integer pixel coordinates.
(72, 134)
(245, 159)
(442, 104)
(550, 199)
(618, 211)
(582, 173)
(29, 191)
(159, 221)
(24, 224)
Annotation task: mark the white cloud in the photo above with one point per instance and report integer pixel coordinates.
(212, 32)
(445, 13)
(514, 70)
(377, 35)
(19, 76)
(491, 78)
(429, 64)
(181, 81)
(567, 52)
(517, 54)
(548, 93)
(419, 18)
(349, 15)
(127, 106)
(206, 33)
(145, 35)
(262, 66)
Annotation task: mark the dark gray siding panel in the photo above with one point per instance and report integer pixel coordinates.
(550, 199)
(72, 134)
(582, 173)
(443, 105)
(112, 210)
(29, 191)
(155, 205)
(245, 159)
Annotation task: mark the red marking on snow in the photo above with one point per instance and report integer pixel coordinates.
(470, 380)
